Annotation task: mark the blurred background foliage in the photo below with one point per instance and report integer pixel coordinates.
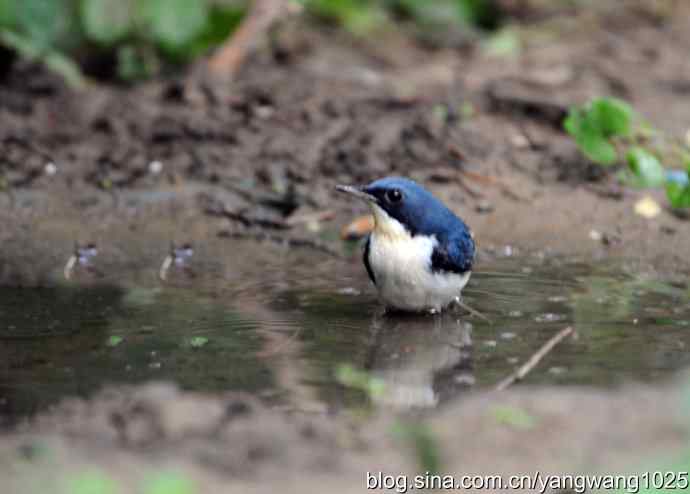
(124, 39)
(131, 40)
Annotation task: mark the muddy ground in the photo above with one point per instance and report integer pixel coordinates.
(260, 157)
(318, 108)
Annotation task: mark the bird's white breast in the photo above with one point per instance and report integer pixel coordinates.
(402, 268)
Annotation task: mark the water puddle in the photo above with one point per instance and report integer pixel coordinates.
(282, 327)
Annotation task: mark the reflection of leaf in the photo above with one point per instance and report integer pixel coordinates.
(106, 21)
(646, 168)
(425, 444)
(350, 377)
(174, 23)
(513, 416)
(198, 341)
(141, 296)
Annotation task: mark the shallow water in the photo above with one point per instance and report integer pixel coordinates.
(281, 324)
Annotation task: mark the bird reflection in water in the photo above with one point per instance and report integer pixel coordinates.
(423, 360)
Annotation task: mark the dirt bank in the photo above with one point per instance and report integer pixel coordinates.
(133, 437)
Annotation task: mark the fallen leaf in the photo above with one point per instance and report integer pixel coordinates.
(358, 228)
(647, 207)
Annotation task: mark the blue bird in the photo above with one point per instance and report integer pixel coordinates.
(419, 254)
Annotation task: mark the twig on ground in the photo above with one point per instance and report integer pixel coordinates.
(215, 207)
(472, 311)
(527, 367)
(317, 217)
(278, 239)
(510, 98)
(261, 16)
(494, 182)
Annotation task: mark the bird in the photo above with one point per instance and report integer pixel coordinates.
(419, 254)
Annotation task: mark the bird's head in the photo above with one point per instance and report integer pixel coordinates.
(401, 207)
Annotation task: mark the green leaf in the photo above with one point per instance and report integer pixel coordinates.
(356, 16)
(611, 116)
(45, 22)
(8, 15)
(479, 13)
(646, 168)
(437, 17)
(114, 341)
(66, 68)
(596, 147)
(174, 23)
(678, 195)
(54, 60)
(106, 21)
(136, 62)
(593, 126)
(222, 20)
(589, 138)
(574, 122)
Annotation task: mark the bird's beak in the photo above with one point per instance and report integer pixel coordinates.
(357, 191)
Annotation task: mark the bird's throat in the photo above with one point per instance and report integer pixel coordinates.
(385, 226)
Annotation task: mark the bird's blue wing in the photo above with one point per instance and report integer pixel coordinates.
(454, 255)
(366, 260)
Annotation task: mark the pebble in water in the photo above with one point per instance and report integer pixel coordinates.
(549, 317)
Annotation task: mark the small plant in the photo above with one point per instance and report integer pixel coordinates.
(141, 34)
(357, 16)
(607, 129)
(597, 126)
(360, 17)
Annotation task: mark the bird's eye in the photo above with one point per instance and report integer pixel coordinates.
(394, 196)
